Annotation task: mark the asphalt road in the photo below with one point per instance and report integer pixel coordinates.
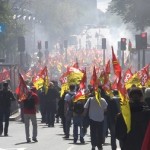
(49, 138)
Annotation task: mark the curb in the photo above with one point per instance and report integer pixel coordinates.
(15, 116)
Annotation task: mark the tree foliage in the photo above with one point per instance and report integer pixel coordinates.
(62, 17)
(132, 11)
(8, 36)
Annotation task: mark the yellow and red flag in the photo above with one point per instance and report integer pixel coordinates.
(128, 75)
(107, 67)
(94, 83)
(125, 107)
(81, 95)
(22, 90)
(116, 65)
(41, 80)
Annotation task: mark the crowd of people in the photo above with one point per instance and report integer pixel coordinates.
(101, 119)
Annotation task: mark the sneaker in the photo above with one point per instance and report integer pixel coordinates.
(93, 148)
(82, 140)
(28, 141)
(35, 140)
(74, 140)
(5, 134)
(66, 137)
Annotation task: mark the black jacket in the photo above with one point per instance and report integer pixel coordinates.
(140, 116)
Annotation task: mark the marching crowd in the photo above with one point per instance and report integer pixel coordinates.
(83, 114)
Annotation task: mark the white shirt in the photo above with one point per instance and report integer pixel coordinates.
(96, 111)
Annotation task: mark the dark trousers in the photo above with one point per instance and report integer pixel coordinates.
(112, 133)
(43, 113)
(63, 123)
(96, 131)
(50, 117)
(4, 116)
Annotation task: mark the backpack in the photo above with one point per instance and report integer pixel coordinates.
(70, 103)
(29, 103)
(78, 107)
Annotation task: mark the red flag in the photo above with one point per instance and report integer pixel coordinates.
(107, 67)
(93, 81)
(116, 65)
(76, 65)
(81, 92)
(128, 75)
(22, 91)
(114, 85)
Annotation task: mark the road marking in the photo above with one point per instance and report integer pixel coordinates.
(71, 147)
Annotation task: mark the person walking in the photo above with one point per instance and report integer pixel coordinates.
(140, 117)
(6, 96)
(68, 109)
(113, 110)
(30, 109)
(51, 102)
(96, 116)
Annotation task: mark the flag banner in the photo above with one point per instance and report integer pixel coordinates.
(64, 83)
(4, 75)
(134, 80)
(22, 90)
(125, 108)
(116, 65)
(107, 67)
(81, 93)
(127, 75)
(74, 75)
(41, 80)
(94, 83)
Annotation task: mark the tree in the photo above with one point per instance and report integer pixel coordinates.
(132, 11)
(61, 18)
(8, 37)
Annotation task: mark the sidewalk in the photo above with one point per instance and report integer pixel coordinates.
(15, 116)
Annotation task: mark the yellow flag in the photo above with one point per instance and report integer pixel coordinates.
(125, 109)
(38, 83)
(133, 81)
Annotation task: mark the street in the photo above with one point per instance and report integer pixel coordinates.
(48, 138)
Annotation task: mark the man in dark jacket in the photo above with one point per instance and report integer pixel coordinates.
(6, 96)
(140, 117)
(51, 101)
(113, 109)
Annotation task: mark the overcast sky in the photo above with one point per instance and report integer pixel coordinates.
(102, 4)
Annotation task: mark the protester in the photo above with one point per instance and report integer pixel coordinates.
(78, 109)
(140, 116)
(68, 109)
(147, 96)
(6, 96)
(113, 110)
(51, 101)
(60, 112)
(96, 115)
(30, 110)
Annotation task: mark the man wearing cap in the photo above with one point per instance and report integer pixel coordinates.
(6, 96)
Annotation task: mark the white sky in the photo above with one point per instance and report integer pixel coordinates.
(102, 4)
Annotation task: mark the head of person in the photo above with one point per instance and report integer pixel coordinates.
(115, 92)
(51, 85)
(72, 87)
(5, 85)
(147, 92)
(136, 95)
(33, 89)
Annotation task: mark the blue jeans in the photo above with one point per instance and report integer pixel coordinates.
(77, 122)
